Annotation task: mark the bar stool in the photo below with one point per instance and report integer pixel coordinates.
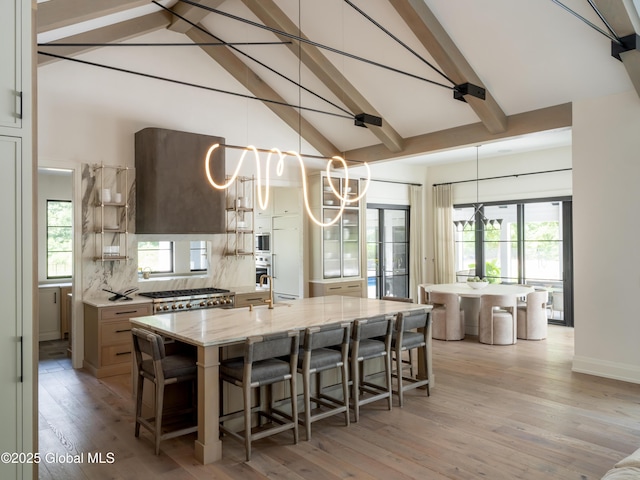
(152, 364)
(267, 360)
(371, 339)
(409, 361)
(317, 357)
(405, 338)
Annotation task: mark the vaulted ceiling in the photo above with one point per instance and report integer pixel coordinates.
(400, 60)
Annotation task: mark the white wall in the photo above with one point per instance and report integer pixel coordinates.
(606, 143)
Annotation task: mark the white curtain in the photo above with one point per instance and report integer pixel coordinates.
(415, 241)
(444, 244)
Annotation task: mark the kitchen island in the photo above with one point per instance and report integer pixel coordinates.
(210, 329)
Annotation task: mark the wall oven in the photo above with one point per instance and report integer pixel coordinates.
(263, 242)
(263, 267)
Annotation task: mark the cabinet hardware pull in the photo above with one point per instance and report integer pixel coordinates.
(55, 297)
(353, 286)
(126, 313)
(121, 331)
(335, 288)
(123, 353)
(19, 115)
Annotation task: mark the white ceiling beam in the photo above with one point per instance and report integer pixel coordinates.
(426, 27)
(116, 33)
(544, 119)
(271, 15)
(62, 13)
(252, 82)
(192, 13)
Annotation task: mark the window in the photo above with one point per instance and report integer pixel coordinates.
(180, 257)
(155, 257)
(526, 242)
(59, 239)
(198, 256)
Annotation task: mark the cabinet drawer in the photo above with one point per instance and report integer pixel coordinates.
(113, 333)
(125, 311)
(115, 354)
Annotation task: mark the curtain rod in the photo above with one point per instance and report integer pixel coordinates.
(504, 176)
(394, 181)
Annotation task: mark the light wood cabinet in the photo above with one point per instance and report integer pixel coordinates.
(350, 288)
(251, 298)
(108, 347)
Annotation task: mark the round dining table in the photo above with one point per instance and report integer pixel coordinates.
(470, 298)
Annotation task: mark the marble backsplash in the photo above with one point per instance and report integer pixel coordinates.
(224, 271)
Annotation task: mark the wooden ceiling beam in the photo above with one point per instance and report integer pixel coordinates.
(271, 15)
(544, 119)
(426, 27)
(252, 82)
(622, 21)
(118, 32)
(62, 13)
(192, 13)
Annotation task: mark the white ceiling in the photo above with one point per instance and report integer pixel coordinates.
(529, 55)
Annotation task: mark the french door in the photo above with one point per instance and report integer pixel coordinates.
(525, 242)
(387, 250)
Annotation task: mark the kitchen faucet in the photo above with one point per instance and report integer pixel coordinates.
(270, 279)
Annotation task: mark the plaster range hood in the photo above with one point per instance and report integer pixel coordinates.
(173, 195)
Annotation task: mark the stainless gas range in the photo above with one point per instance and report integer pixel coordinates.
(191, 299)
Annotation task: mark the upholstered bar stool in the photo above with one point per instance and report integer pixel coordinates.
(410, 333)
(267, 360)
(447, 317)
(497, 320)
(317, 356)
(409, 360)
(152, 364)
(532, 316)
(370, 339)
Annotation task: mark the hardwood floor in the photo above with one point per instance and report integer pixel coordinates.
(497, 412)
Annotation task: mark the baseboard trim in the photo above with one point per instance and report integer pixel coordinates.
(603, 368)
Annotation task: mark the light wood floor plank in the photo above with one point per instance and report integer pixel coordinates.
(498, 412)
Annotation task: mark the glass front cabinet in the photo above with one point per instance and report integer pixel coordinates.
(335, 248)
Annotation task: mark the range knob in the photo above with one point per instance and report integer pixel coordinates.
(188, 305)
(158, 308)
(202, 304)
(174, 307)
(180, 306)
(227, 301)
(210, 303)
(216, 302)
(166, 307)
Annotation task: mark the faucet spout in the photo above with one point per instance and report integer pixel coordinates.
(269, 278)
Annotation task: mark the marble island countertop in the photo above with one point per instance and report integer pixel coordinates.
(217, 326)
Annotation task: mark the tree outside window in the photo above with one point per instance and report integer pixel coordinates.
(59, 239)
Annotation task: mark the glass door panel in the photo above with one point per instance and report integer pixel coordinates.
(543, 259)
(350, 244)
(373, 253)
(500, 244)
(465, 239)
(396, 249)
(332, 251)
